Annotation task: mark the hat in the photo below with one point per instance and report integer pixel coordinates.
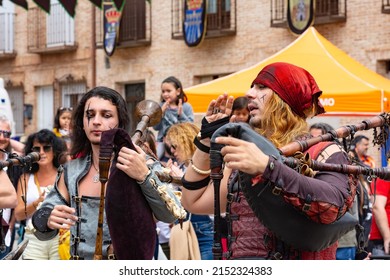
(294, 85)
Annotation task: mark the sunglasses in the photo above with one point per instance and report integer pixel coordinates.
(6, 133)
(65, 109)
(46, 149)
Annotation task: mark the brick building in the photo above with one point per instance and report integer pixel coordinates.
(49, 61)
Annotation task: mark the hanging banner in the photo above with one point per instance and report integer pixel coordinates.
(21, 3)
(119, 4)
(300, 15)
(98, 3)
(44, 5)
(194, 23)
(111, 23)
(69, 6)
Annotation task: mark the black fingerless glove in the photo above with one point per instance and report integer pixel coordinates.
(207, 129)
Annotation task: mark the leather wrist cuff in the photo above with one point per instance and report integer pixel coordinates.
(201, 146)
(208, 129)
(193, 186)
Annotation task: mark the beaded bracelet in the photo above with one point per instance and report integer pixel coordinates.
(199, 171)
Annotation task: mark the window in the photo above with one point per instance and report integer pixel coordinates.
(58, 26)
(221, 18)
(72, 93)
(386, 6)
(44, 107)
(135, 26)
(134, 93)
(208, 78)
(16, 96)
(383, 67)
(7, 28)
(326, 11)
(218, 15)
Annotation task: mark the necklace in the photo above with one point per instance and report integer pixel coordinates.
(95, 177)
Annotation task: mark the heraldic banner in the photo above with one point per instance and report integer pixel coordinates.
(300, 15)
(194, 23)
(111, 22)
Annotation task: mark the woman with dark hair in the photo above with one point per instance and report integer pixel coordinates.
(75, 201)
(175, 109)
(33, 187)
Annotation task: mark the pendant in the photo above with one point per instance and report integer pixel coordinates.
(96, 178)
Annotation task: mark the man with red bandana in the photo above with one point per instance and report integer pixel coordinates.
(281, 98)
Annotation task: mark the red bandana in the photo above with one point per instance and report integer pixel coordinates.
(293, 84)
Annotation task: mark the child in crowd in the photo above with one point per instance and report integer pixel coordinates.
(240, 109)
(175, 109)
(62, 123)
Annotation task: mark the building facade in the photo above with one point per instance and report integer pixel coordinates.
(49, 61)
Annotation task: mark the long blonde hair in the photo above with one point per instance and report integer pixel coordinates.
(183, 134)
(280, 125)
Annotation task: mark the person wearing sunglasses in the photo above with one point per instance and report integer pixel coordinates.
(33, 186)
(6, 142)
(74, 202)
(180, 138)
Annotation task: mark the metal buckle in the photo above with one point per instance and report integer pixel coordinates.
(276, 190)
(111, 257)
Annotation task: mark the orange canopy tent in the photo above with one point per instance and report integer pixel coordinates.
(348, 86)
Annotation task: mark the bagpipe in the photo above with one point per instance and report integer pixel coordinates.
(288, 224)
(129, 217)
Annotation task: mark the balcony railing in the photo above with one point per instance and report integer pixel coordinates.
(135, 26)
(221, 18)
(386, 6)
(326, 11)
(50, 33)
(7, 35)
